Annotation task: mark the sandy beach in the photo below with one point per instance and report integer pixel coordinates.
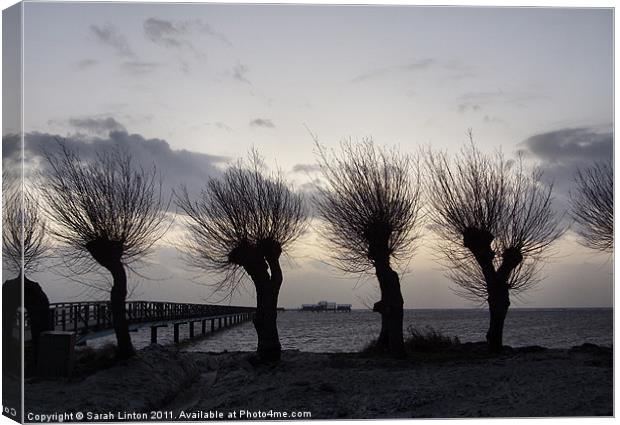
(463, 382)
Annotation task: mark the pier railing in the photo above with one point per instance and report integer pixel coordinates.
(91, 319)
(84, 317)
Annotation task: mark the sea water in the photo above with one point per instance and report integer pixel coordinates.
(349, 332)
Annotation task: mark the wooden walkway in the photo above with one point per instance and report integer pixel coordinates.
(93, 319)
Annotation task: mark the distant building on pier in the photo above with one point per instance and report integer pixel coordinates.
(326, 306)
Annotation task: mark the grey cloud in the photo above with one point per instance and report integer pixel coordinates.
(262, 122)
(421, 64)
(560, 152)
(458, 76)
(140, 67)
(110, 36)
(222, 126)
(306, 168)
(239, 73)
(417, 65)
(217, 124)
(175, 166)
(96, 125)
(466, 106)
(163, 32)
(484, 98)
(86, 63)
(178, 34)
(570, 144)
(458, 70)
(184, 66)
(491, 119)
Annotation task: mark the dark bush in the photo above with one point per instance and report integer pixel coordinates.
(429, 340)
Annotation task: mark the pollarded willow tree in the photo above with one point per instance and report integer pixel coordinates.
(370, 213)
(25, 245)
(592, 206)
(496, 223)
(239, 225)
(108, 210)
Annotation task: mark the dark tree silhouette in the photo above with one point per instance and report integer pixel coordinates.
(108, 210)
(495, 222)
(23, 232)
(24, 246)
(592, 206)
(242, 222)
(370, 213)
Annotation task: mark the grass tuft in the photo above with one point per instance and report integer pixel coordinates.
(429, 340)
(89, 360)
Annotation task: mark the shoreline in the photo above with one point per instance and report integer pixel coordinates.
(463, 382)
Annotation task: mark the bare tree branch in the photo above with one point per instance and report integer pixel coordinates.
(499, 198)
(23, 230)
(592, 206)
(245, 206)
(370, 193)
(105, 200)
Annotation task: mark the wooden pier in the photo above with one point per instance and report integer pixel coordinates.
(223, 322)
(93, 319)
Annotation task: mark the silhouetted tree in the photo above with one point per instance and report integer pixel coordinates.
(24, 246)
(370, 213)
(108, 210)
(496, 224)
(592, 206)
(242, 222)
(24, 240)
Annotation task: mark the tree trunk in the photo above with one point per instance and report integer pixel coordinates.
(265, 318)
(499, 302)
(479, 243)
(118, 296)
(265, 322)
(391, 309)
(383, 341)
(258, 261)
(109, 254)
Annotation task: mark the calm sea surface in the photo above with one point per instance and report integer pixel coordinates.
(342, 332)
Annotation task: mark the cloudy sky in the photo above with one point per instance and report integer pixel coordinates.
(193, 87)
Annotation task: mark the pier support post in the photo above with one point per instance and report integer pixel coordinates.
(154, 332)
(176, 333)
(212, 325)
(191, 330)
(204, 326)
(219, 323)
